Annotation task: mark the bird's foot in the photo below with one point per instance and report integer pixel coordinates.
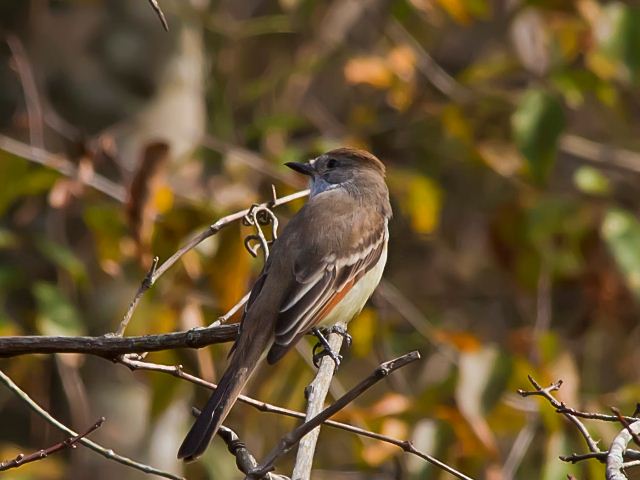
(323, 349)
(342, 331)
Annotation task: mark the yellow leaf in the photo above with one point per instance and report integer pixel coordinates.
(456, 10)
(420, 199)
(456, 124)
(163, 199)
(362, 329)
(370, 70)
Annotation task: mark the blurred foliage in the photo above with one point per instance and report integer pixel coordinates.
(510, 132)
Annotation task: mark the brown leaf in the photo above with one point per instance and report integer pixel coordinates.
(141, 210)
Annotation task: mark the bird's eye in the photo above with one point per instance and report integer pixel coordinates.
(332, 163)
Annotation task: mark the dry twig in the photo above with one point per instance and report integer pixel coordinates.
(105, 452)
(156, 8)
(69, 442)
(546, 393)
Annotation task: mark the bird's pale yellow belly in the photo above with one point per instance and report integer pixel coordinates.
(353, 302)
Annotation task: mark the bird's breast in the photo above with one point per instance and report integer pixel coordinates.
(353, 302)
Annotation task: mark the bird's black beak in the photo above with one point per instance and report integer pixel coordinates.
(303, 168)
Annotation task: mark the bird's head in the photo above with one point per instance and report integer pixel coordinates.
(343, 167)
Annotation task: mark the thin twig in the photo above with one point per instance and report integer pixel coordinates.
(293, 437)
(546, 393)
(156, 8)
(29, 89)
(232, 311)
(105, 452)
(62, 166)
(627, 425)
(146, 284)
(592, 415)
(109, 346)
(70, 442)
(316, 393)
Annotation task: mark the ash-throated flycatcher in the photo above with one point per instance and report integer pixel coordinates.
(321, 271)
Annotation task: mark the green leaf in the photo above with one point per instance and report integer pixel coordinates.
(621, 232)
(537, 124)
(591, 180)
(19, 178)
(56, 314)
(622, 43)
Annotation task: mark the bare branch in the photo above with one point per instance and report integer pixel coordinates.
(615, 458)
(177, 371)
(593, 415)
(110, 346)
(316, 393)
(62, 166)
(293, 437)
(29, 89)
(105, 452)
(69, 442)
(546, 393)
(627, 425)
(156, 8)
(245, 461)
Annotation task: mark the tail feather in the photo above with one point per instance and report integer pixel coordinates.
(242, 364)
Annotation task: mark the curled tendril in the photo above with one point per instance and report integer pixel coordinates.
(259, 216)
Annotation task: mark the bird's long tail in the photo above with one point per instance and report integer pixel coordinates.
(245, 358)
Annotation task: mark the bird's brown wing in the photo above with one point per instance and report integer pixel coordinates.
(320, 284)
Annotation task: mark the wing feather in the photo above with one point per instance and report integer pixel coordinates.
(314, 293)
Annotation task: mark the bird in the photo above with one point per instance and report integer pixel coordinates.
(321, 271)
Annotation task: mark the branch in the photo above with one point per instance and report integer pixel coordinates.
(156, 8)
(62, 166)
(316, 393)
(293, 437)
(615, 459)
(110, 346)
(178, 372)
(105, 452)
(69, 442)
(245, 461)
(546, 393)
(29, 90)
(627, 425)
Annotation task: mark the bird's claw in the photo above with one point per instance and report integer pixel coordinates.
(342, 331)
(323, 352)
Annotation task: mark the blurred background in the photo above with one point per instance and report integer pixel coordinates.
(509, 128)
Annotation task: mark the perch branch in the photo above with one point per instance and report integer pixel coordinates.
(105, 452)
(316, 393)
(69, 442)
(293, 437)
